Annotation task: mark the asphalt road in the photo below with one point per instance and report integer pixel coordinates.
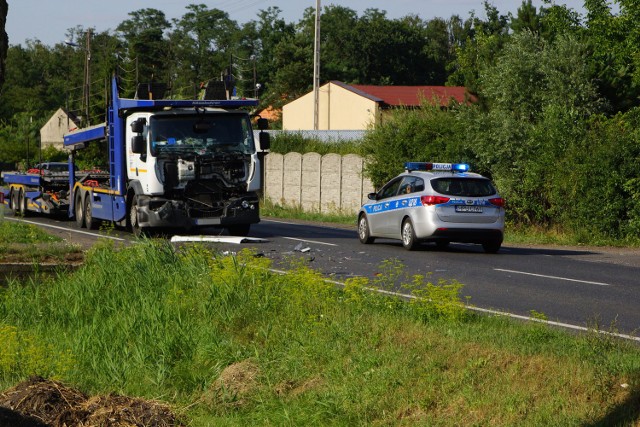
(576, 287)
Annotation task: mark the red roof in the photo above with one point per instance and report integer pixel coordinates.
(412, 96)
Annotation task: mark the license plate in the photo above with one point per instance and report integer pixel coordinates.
(471, 209)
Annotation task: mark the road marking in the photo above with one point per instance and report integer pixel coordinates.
(68, 229)
(553, 277)
(310, 241)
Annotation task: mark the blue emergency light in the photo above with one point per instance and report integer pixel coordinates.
(443, 167)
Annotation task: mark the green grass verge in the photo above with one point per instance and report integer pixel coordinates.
(22, 242)
(274, 210)
(292, 142)
(227, 342)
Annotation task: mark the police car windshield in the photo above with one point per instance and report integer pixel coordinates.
(465, 187)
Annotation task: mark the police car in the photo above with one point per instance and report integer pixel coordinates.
(435, 202)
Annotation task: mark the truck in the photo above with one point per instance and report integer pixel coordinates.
(172, 163)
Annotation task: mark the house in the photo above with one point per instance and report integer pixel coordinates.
(61, 123)
(357, 107)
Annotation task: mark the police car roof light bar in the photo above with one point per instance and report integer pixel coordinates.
(428, 166)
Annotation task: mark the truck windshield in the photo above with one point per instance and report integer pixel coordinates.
(201, 134)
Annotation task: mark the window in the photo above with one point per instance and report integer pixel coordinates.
(464, 187)
(411, 184)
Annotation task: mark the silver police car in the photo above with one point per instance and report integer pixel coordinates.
(435, 202)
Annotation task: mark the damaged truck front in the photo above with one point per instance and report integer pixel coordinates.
(176, 164)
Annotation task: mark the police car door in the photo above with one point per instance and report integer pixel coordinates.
(401, 205)
(380, 212)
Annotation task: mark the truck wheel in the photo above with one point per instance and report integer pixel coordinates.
(14, 202)
(79, 210)
(136, 229)
(241, 230)
(91, 223)
(22, 204)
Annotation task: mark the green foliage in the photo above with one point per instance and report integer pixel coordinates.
(287, 142)
(20, 232)
(424, 134)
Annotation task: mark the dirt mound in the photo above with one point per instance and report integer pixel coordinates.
(45, 403)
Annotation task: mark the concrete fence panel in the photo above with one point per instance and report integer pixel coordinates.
(292, 188)
(311, 172)
(351, 182)
(330, 183)
(273, 188)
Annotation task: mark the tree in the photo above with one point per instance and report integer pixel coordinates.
(614, 41)
(145, 43)
(527, 18)
(260, 38)
(202, 43)
(486, 40)
(539, 96)
(4, 38)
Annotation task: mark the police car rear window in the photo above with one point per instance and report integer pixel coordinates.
(466, 187)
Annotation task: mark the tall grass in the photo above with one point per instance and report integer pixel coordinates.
(228, 342)
(296, 142)
(22, 242)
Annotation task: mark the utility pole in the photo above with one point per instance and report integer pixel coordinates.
(316, 70)
(87, 77)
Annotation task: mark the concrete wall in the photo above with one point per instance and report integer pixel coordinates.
(329, 184)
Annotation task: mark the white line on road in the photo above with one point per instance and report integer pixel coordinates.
(309, 241)
(68, 229)
(553, 277)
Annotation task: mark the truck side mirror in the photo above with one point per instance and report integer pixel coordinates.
(265, 141)
(138, 145)
(263, 124)
(137, 126)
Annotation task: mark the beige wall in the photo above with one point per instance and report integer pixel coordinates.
(339, 109)
(328, 184)
(52, 133)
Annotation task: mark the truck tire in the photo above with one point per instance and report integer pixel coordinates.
(136, 229)
(22, 204)
(241, 230)
(78, 209)
(89, 221)
(13, 202)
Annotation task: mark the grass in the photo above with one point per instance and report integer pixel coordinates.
(227, 342)
(270, 209)
(22, 242)
(296, 142)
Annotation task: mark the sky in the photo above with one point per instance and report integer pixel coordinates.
(49, 20)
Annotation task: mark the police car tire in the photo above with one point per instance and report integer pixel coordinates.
(408, 235)
(363, 231)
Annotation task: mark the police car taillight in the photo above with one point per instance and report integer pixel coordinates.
(433, 200)
(497, 201)
(429, 166)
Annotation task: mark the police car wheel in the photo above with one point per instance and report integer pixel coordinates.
(363, 231)
(409, 240)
